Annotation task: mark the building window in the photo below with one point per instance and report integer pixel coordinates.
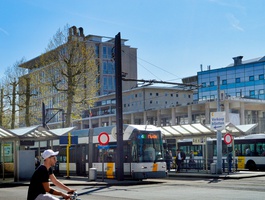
(177, 95)
(237, 80)
(204, 84)
(238, 94)
(261, 77)
(252, 93)
(212, 97)
(211, 83)
(251, 78)
(224, 82)
(151, 94)
(157, 94)
(104, 52)
(261, 91)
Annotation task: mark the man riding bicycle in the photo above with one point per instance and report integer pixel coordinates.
(39, 188)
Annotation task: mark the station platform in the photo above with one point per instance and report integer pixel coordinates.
(81, 180)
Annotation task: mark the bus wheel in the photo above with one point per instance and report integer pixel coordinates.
(251, 165)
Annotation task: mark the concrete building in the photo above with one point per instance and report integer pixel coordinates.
(104, 51)
(142, 105)
(244, 79)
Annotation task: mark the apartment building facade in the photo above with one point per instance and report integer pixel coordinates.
(104, 53)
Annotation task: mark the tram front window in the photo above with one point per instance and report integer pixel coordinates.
(147, 147)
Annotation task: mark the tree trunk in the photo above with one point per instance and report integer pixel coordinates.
(13, 104)
(2, 107)
(27, 102)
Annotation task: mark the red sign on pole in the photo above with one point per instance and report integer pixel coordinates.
(228, 138)
(103, 138)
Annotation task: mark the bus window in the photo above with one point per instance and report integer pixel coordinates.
(261, 149)
(238, 149)
(248, 149)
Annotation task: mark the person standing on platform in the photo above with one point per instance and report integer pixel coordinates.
(168, 159)
(180, 157)
(192, 161)
(229, 161)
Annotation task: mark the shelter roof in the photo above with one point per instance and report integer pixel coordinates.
(5, 133)
(201, 130)
(33, 133)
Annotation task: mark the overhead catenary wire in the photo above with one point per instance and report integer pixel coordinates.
(192, 86)
(152, 65)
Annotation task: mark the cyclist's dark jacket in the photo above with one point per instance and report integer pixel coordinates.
(41, 175)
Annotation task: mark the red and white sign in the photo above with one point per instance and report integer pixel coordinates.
(103, 138)
(228, 138)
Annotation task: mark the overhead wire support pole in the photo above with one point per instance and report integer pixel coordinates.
(218, 133)
(119, 117)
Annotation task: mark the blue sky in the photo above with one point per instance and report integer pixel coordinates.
(173, 37)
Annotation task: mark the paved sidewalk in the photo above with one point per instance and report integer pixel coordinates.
(79, 180)
(224, 175)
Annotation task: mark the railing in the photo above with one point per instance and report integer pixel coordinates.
(200, 164)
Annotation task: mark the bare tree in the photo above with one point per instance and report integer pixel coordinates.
(5, 115)
(11, 82)
(69, 67)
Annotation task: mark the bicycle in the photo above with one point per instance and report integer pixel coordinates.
(74, 196)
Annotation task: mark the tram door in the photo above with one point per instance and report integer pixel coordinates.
(81, 160)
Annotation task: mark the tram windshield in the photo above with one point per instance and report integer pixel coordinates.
(147, 146)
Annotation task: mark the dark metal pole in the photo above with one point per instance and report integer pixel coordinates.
(43, 116)
(119, 118)
(219, 133)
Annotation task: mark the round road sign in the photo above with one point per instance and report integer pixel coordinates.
(103, 138)
(228, 138)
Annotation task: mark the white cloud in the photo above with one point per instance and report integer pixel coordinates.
(234, 22)
(228, 3)
(4, 31)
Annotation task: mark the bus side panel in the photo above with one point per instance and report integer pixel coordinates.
(241, 161)
(110, 169)
(63, 167)
(148, 170)
(127, 169)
